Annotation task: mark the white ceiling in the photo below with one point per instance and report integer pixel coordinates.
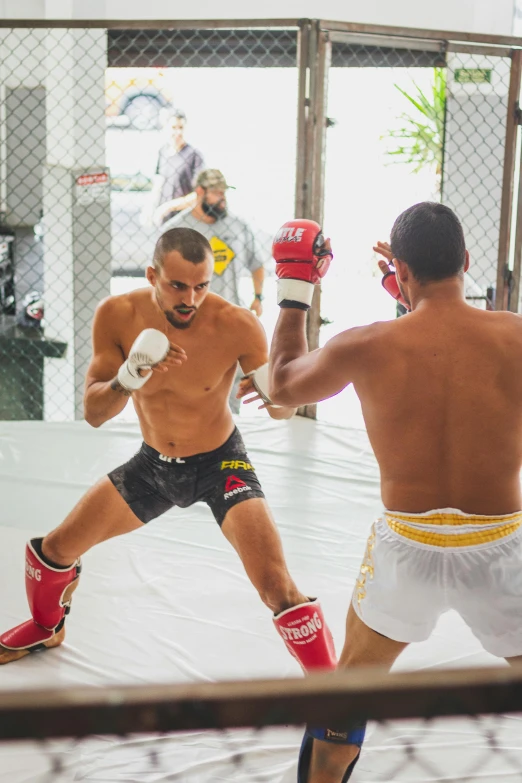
(481, 16)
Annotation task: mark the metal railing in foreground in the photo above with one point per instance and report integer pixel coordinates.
(242, 730)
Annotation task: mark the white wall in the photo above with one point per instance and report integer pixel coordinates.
(517, 25)
(484, 16)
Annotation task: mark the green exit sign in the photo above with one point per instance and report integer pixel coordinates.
(473, 75)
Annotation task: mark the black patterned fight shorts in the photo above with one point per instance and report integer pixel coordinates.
(151, 483)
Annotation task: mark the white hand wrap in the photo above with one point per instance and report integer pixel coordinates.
(149, 348)
(291, 290)
(259, 380)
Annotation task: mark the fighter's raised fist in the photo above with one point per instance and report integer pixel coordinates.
(149, 348)
(302, 258)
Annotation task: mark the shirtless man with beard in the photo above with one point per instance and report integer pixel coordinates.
(174, 348)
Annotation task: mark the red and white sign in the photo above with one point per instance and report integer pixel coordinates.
(93, 186)
(92, 179)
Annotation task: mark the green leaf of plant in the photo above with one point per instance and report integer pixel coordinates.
(422, 129)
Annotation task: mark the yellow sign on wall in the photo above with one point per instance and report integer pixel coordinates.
(223, 255)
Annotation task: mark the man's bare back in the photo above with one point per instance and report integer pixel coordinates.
(441, 393)
(183, 411)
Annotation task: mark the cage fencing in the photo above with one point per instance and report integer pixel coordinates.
(104, 132)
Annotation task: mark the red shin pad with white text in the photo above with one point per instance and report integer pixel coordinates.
(307, 637)
(49, 593)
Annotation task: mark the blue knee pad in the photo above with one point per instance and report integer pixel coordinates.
(354, 736)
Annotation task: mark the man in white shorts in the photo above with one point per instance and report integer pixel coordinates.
(441, 394)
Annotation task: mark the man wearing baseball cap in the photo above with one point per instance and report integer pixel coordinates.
(231, 239)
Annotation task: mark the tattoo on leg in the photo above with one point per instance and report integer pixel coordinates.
(117, 387)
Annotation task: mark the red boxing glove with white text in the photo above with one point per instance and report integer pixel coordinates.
(302, 259)
(389, 283)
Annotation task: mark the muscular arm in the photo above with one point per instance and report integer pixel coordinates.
(255, 355)
(300, 378)
(104, 398)
(258, 277)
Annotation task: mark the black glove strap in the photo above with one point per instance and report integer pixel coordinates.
(289, 304)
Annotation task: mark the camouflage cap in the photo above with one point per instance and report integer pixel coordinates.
(212, 178)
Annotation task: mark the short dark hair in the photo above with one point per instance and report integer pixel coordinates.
(175, 114)
(429, 238)
(192, 245)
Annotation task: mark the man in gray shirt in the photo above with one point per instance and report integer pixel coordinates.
(231, 239)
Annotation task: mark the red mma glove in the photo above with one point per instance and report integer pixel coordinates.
(389, 283)
(302, 259)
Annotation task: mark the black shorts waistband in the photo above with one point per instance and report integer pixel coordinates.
(235, 440)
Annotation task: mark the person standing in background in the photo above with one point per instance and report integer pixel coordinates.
(178, 165)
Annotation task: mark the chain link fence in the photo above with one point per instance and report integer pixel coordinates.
(473, 165)
(435, 130)
(381, 157)
(55, 204)
(103, 134)
(402, 751)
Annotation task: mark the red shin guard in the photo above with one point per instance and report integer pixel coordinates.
(307, 637)
(49, 593)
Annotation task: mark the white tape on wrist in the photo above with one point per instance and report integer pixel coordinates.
(259, 380)
(148, 349)
(289, 290)
(132, 381)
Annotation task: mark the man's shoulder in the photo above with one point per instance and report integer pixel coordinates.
(233, 230)
(368, 332)
(233, 316)
(503, 317)
(188, 151)
(183, 218)
(361, 338)
(509, 324)
(232, 219)
(123, 306)
(223, 307)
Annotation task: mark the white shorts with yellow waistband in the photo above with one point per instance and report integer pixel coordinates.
(418, 566)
